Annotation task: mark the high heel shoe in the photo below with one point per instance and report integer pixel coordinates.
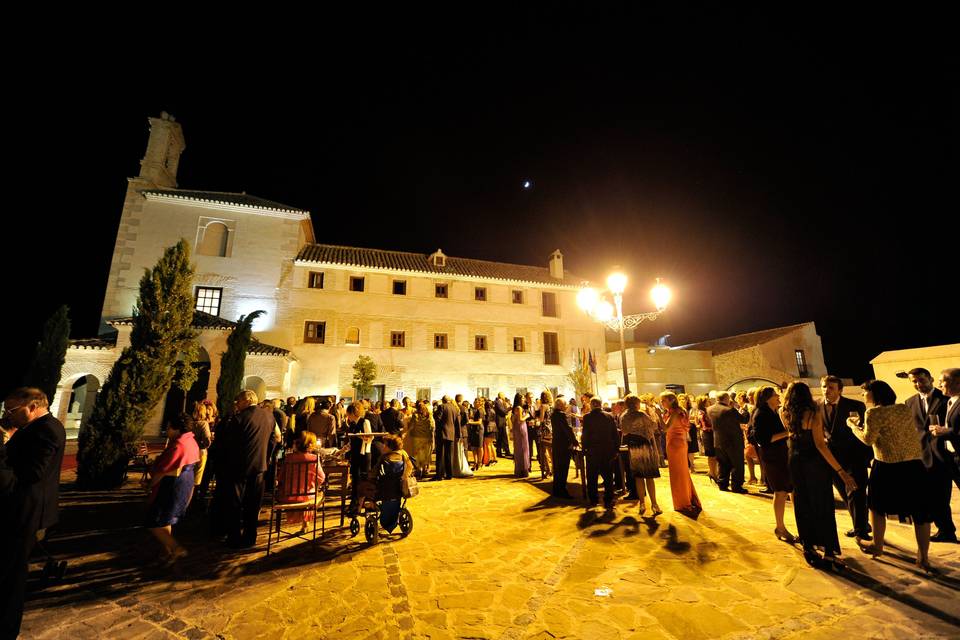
(870, 549)
(785, 536)
(657, 511)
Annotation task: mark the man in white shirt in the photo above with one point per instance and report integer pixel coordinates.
(929, 406)
(948, 437)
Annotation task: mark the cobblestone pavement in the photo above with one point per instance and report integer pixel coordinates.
(494, 557)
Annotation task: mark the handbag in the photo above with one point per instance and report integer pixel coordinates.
(410, 488)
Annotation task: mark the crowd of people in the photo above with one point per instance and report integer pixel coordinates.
(884, 458)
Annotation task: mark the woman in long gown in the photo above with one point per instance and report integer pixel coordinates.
(684, 494)
(418, 440)
(521, 450)
(639, 432)
(810, 464)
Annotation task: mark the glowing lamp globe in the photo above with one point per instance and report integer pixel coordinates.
(617, 282)
(603, 311)
(587, 299)
(661, 295)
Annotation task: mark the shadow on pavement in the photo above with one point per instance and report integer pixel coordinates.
(110, 556)
(855, 575)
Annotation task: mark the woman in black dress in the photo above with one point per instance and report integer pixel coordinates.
(639, 431)
(767, 428)
(810, 465)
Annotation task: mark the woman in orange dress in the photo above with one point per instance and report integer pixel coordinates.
(684, 495)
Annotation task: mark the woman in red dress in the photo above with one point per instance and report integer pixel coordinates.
(684, 495)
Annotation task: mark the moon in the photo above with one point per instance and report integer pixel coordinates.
(527, 185)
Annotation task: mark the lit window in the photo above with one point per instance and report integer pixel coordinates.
(353, 336)
(207, 299)
(316, 280)
(518, 344)
(517, 296)
(480, 343)
(399, 287)
(551, 350)
(423, 393)
(356, 283)
(802, 364)
(480, 294)
(439, 341)
(314, 332)
(483, 392)
(441, 291)
(398, 338)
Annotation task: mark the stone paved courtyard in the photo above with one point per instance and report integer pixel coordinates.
(493, 557)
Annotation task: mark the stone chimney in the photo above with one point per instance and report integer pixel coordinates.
(437, 259)
(159, 164)
(556, 265)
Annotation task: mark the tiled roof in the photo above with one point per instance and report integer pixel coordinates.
(239, 199)
(420, 262)
(203, 320)
(743, 341)
(258, 348)
(93, 343)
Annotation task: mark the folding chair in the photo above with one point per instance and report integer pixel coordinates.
(338, 486)
(295, 490)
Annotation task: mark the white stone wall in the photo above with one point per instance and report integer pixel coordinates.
(261, 248)
(327, 368)
(652, 372)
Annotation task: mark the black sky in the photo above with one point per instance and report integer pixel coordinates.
(772, 169)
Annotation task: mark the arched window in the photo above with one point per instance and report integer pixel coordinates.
(214, 242)
(353, 336)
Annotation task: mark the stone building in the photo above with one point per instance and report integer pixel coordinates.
(433, 324)
(773, 356)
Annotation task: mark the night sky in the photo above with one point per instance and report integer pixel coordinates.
(772, 171)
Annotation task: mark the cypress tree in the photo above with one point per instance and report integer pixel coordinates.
(232, 362)
(140, 379)
(48, 359)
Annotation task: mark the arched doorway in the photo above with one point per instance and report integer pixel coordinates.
(83, 395)
(257, 385)
(747, 383)
(177, 400)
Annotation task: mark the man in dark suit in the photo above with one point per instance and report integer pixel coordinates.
(34, 455)
(930, 404)
(563, 441)
(947, 446)
(244, 438)
(447, 428)
(601, 444)
(391, 418)
(850, 452)
(728, 442)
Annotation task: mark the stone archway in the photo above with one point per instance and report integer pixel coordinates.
(257, 385)
(177, 400)
(80, 394)
(746, 383)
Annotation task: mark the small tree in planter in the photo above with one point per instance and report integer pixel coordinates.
(364, 373)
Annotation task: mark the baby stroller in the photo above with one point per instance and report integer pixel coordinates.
(381, 502)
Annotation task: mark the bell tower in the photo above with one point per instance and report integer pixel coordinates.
(159, 164)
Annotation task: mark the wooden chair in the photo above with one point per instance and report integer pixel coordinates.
(295, 490)
(338, 486)
(140, 461)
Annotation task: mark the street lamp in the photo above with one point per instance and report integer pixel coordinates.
(593, 302)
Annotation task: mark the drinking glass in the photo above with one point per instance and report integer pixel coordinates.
(855, 418)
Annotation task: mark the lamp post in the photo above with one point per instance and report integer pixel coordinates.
(592, 301)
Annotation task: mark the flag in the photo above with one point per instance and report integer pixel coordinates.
(586, 365)
(593, 362)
